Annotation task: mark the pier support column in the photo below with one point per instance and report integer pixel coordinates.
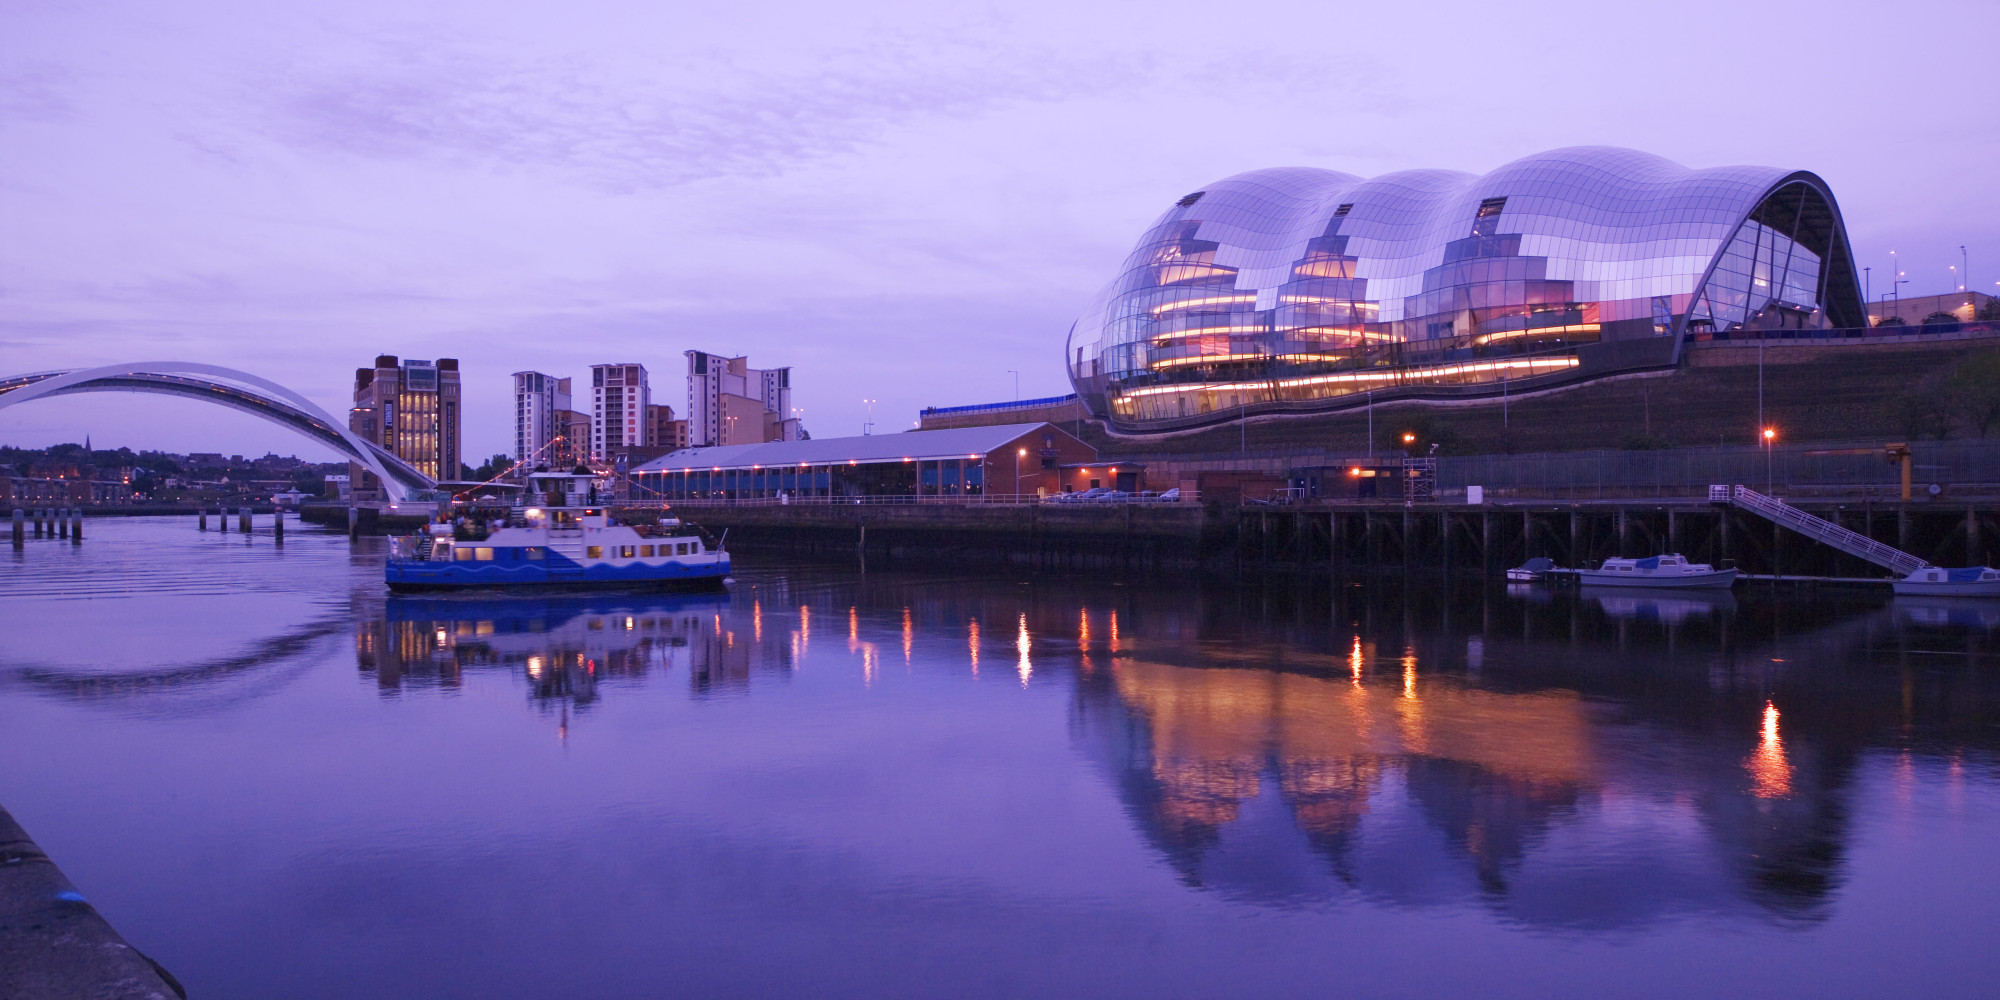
(1624, 525)
(243, 519)
(20, 527)
(1575, 538)
(278, 523)
(62, 522)
(1486, 540)
(1527, 535)
(1672, 526)
(76, 526)
(201, 519)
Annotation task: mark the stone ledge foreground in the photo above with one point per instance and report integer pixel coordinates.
(54, 945)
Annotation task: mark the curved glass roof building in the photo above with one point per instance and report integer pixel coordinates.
(1297, 289)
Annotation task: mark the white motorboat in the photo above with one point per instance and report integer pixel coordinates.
(1657, 571)
(1933, 581)
(1532, 570)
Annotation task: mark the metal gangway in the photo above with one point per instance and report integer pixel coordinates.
(1819, 529)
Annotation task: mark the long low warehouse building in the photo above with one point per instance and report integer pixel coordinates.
(966, 461)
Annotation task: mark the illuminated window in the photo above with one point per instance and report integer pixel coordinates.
(462, 555)
(532, 552)
(624, 551)
(645, 550)
(1488, 220)
(593, 552)
(485, 555)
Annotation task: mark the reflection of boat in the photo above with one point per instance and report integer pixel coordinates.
(563, 643)
(1667, 610)
(1931, 581)
(1656, 571)
(1532, 570)
(1947, 611)
(567, 544)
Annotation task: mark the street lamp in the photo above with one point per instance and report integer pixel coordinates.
(868, 426)
(1019, 454)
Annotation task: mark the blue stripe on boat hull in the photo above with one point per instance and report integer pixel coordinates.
(412, 575)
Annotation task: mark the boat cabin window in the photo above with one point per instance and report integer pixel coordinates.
(624, 551)
(593, 552)
(532, 552)
(645, 550)
(485, 555)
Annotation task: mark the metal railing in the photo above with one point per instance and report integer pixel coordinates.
(1819, 529)
(904, 500)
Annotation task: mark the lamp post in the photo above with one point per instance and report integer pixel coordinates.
(1371, 425)
(1963, 274)
(1770, 434)
(868, 426)
(1019, 454)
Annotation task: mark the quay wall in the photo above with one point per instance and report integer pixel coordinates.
(54, 945)
(1326, 538)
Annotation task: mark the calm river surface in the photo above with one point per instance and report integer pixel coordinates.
(280, 782)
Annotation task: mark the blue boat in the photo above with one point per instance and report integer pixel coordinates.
(564, 542)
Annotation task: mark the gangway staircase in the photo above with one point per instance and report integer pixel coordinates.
(1818, 529)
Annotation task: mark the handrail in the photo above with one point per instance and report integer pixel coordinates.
(904, 500)
(1851, 542)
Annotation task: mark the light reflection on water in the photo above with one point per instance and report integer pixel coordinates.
(1212, 790)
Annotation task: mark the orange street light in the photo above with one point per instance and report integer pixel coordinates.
(1409, 438)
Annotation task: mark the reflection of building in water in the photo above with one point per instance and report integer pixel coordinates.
(1416, 788)
(563, 647)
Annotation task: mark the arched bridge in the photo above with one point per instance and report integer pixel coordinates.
(236, 390)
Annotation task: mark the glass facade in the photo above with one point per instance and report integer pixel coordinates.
(1298, 288)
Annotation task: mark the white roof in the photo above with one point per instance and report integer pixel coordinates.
(922, 446)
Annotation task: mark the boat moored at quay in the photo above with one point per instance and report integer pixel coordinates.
(563, 539)
(1669, 571)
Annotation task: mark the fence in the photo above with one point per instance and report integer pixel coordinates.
(906, 500)
(1947, 463)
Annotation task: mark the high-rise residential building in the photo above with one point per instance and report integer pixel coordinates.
(619, 396)
(411, 408)
(663, 431)
(730, 402)
(574, 445)
(539, 401)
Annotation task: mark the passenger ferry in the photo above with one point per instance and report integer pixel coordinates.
(1657, 571)
(566, 541)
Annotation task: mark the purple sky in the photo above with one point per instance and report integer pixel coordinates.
(900, 201)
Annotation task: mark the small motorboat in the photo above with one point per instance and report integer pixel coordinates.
(1657, 571)
(1532, 570)
(1933, 581)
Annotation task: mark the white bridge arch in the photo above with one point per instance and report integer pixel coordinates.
(237, 390)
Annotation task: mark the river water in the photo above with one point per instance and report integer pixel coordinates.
(280, 782)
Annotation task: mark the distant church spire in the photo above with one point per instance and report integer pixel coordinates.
(86, 443)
